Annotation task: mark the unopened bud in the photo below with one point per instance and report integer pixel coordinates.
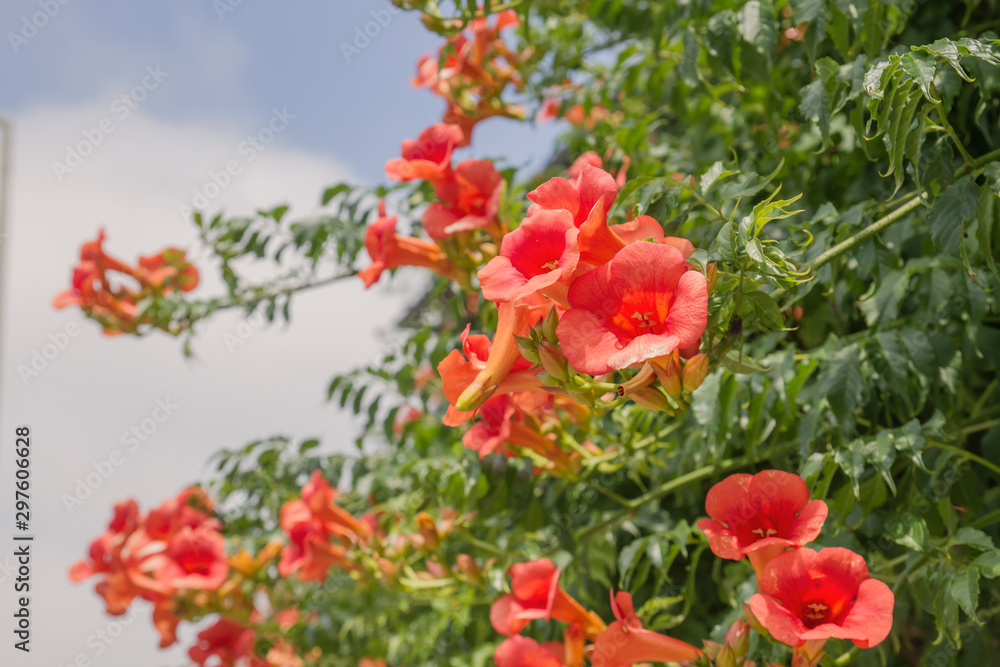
(695, 370)
(738, 638)
(549, 325)
(669, 374)
(726, 658)
(553, 361)
(527, 347)
(711, 275)
(651, 398)
(712, 649)
(468, 567)
(641, 379)
(428, 530)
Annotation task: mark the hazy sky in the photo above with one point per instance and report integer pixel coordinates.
(197, 77)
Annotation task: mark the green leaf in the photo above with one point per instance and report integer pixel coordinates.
(307, 445)
(921, 67)
(841, 382)
(964, 589)
(757, 26)
(806, 11)
(988, 564)
(910, 532)
(953, 208)
(738, 363)
(852, 461)
(815, 105)
(880, 452)
(884, 303)
(766, 309)
(715, 173)
(974, 538)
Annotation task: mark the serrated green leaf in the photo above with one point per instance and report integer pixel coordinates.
(921, 67)
(841, 381)
(953, 208)
(910, 532)
(988, 564)
(765, 308)
(964, 589)
(974, 538)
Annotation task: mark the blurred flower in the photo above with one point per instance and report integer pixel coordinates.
(536, 594)
(389, 250)
(626, 642)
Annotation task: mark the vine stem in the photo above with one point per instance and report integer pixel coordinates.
(913, 202)
(969, 160)
(869, 231)
(676, 484)
(969, 455)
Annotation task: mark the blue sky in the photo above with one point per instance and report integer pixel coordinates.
(231, 66)
(221, 78)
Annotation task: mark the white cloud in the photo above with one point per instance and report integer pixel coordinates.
(97, 388)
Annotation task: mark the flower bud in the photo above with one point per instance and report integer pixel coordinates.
(695, 370)
(468, 567)
(754, 623)
(712, 649)
(553, 361)
(527, 347)
(711, 275)
(738, 638)
(669, 374)
(651, 398)
(548, 327)
(641, 379)
(726, 658)
(428, 530)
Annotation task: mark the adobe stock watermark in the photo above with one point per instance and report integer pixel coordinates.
(247, 151)
(243, 331)
(121, 108)
(41, 357)
(223, 7)
(130, 440)
(363, 35)
(31, 25)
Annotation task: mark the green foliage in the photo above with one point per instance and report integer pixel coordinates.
(838, 160)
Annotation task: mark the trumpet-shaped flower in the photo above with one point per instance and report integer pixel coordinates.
(643, 304)
(809, 596)
(579, 196)
(470, 197)
(536, 594)
(389, 250)
(761, 515)
(539, 256)
(428, 157)
(626, 642)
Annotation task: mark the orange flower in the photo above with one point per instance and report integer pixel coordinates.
(536, 594)
(229, 642)
(626, 642)
(389, 250)
(169, 270)
(488, 368)
(108, 290)
(310, 523)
